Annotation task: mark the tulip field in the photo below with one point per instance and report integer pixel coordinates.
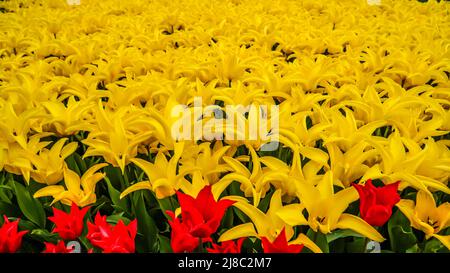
(224, 126)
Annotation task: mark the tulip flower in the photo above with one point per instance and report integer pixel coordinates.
(227, 246)
(270, 224)
(376, 203)
(69, 226)
(427, 217)
(112, 239)
(60, 247)
(80, 191)
(162, 174)
(280, 245)
(326, 209)
(181, 239)
(200, 217)
(10, 237)
(202, 214)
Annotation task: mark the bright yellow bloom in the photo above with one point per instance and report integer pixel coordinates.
(254, 183)
(80, 191)
(326, 209)
(162, 175)
(425, 216)
(267, 225)
(49, 163)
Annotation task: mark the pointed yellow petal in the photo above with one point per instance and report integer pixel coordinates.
(406, 206)
(237, 166)
(149, 169)
(348, 221)
(314, 154)
(49, 191)
(223, 183)
(144, 185)
(445, 240)
(258, 217)
(425, 204)
(244, 230)
(72, 181)
(304, 240)
(292, 215)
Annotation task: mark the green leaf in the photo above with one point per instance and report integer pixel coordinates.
(30, 207)
(164, 244)
(147, 238)
(115, 176)
(5, 195)
(43, 235)
(114, 219)
(357, 245)
(414, 249)
(72, 164)
(8, 210)
(319, 239)
(434, 246)
(168, 203)
(114, 195)
(24, 224)
(264, 203)
(401, 236)
(342, 233)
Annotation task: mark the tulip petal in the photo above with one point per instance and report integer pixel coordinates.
(144, 185)
(243, 230)
(348, 221)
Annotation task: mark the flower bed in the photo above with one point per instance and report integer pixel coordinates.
(90, 160)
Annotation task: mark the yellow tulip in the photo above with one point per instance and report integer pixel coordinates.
(80, 191)
(49, 163)
(424, 215)
(267, 225)
(326, 209)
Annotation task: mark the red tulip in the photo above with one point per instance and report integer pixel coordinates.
(112, 239)
(203, 214)
(376, 203)
(227, 247)
(280, 245)
(181, 240)
(10, 238)
(60, 247)
(69, 226)
(200, 217)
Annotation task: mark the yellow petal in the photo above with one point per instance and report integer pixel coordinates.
(304, 240)
(49, 191)
(348, 221)
(258, 217)
(72, 181)
(292, 215)
(425, 204)
(445, 240)
(243, 230)
(144, 185)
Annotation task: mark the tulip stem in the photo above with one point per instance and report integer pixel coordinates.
(366, 241)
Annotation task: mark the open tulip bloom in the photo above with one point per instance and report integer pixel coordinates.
(224, 126)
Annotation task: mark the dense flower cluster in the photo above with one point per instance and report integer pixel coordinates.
(86, 99)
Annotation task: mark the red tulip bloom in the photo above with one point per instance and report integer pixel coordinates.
(69, 226)
(280, 245)
(376, 203)
(181, 240)
(203, 214)
(10, 238)
(60, 247)
(227, 247)
(200, 217)
(112, 239)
